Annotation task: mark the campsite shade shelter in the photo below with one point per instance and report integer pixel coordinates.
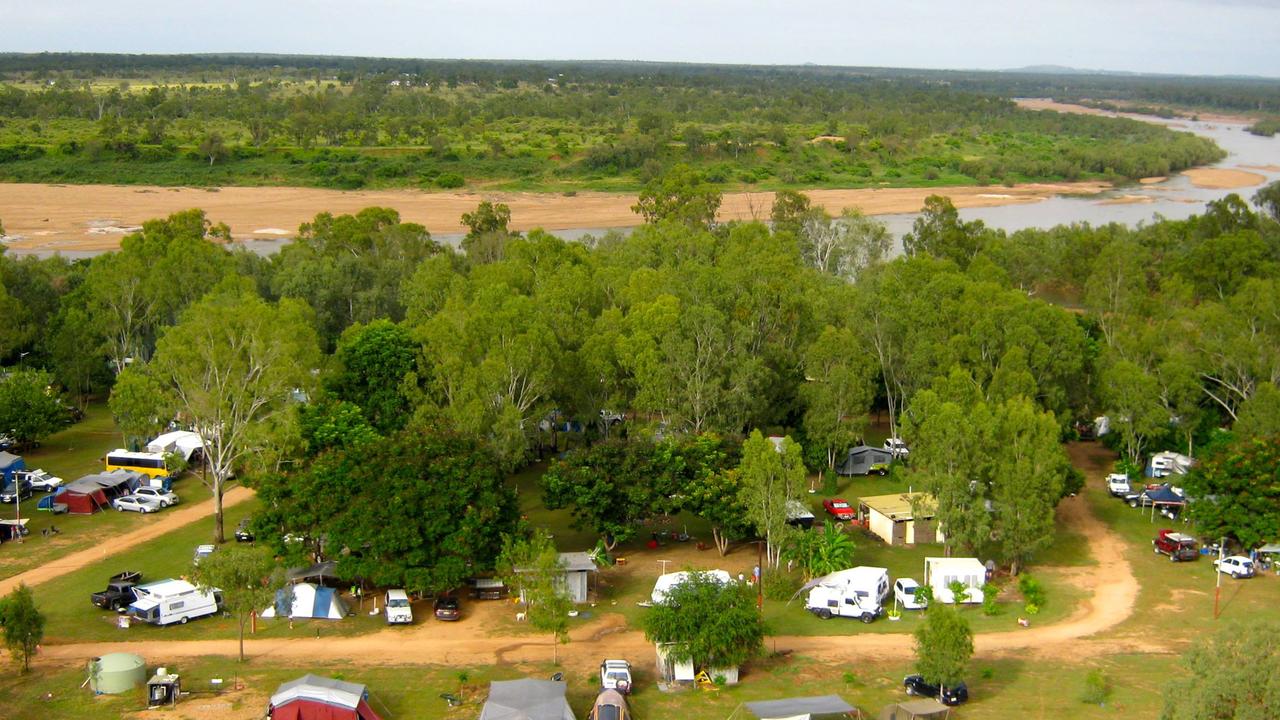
(1164, 496)
(798, 708)
(526, 699)
(312, 697)
(923, 709)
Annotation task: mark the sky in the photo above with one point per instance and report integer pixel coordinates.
(1200, 37)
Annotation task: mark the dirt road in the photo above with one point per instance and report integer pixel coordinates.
(47, 218)
(1110, 585)
(167, 522)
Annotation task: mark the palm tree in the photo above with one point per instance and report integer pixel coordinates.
(821, 553)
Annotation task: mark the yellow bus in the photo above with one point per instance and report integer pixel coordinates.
(151, 464)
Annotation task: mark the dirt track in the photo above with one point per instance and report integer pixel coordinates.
(167, 522)
(47, 218)
(1110, 585)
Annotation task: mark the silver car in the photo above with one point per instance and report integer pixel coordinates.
(164, 497)
(136, 503)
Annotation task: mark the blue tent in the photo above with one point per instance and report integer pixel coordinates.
(305, 600)
(10, 464)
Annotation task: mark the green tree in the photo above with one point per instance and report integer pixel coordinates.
(947, 453)
(711, 625)
(944, 644)
(249, 577)
(23, 624)
(1028, 471)
(838, 391)
(717, 498)
(1240, 492)
(844, 246)
(232, 366)
(531, 564)
(1259, 415)
(487, 234)
(820, 553)
(1211, 687)
(940, 232)
(609, 488)
(376, 366)
(772, 479)
(212, 146)
(30, 410)
(789, 210)
(140, 406)
(1131, 397)
(680, 195)
(1268, 198)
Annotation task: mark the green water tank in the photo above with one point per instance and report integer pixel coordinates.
(116, 673)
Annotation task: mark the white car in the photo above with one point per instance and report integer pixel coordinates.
(616, 675)
(164, 497)
(41, 481)
(203, 551)
(136, 503)
(897, 448)
(904, 591)
(1118, 484)
(1237, 566)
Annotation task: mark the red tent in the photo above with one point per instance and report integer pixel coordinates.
(83, 499)
(315, 698)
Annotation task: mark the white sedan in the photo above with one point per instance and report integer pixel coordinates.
(136, 503)
(164, 497)
(1237, 566)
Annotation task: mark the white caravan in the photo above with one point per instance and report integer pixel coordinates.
(939, 573)
(173, 601)
(857, 592)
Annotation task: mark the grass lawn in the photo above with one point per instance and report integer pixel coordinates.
(71, 454)
(1000, 689)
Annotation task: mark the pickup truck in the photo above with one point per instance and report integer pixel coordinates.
(119, 592)
(1118, 485)
(1177, 546)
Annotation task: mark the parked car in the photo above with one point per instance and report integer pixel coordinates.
(1237, 566)
(136, 503)
(243, 533)
(615, 675)
(897, 448)
(838, 509)
(41, 481)
(164, 497)
(19, 488)
(446, 608)
(1177, 546)
(904, 591)
(119, 593)
(954, 695)
(1119, 486)
(396, 607)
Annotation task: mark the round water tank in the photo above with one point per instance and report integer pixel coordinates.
(115, 673)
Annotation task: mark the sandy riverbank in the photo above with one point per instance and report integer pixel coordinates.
(1049, 104)
(1223, 178)
(46, 218)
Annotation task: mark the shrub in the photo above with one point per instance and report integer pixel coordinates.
(1097, 688)
(450, 180)
(989, 604)
(1032, 591)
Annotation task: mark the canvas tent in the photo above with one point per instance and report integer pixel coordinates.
(862, 458)
(923, 709)
(182, 442)
(798, 708)
(9, 464)
(309, 601)
(526, 699)
(95, 492)
(311, 697)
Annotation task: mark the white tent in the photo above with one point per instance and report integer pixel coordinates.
(181, 441)
(309, 601)
(670, 580)
(526, 699)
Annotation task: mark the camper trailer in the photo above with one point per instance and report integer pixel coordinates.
(857, 592)
(173, 601)
(939, 573)
(799, 516)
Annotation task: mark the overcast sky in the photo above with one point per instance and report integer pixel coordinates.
(1210, 37)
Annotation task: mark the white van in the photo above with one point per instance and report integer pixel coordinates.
(397, 608)
(173, 601)
(857, 592)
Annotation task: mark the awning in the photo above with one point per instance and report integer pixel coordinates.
(1270, 549)
(799, 707)
(145, 604)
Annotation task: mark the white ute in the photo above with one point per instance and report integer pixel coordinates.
(397, 608)
(616, 675)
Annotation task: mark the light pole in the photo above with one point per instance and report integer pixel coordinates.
(1217, 589)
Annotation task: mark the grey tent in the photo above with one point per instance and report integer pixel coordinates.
(862, 459)
(927, 709)
(526, 699)
(800, 708)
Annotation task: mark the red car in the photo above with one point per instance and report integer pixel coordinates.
(838, 509)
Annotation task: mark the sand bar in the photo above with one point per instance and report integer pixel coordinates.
(1223, 178)
(46, 218)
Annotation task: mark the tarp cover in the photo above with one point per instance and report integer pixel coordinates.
(793, 707)
(526, 699)
(1165, 496)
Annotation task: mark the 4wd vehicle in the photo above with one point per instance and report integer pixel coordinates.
(41, 481)
(119, 592)
(446, 608)
(615, 675)
(1176, 545)
(244, 532)
(1237, 566)
(1119, 486)
(955, 695)
(17, 489)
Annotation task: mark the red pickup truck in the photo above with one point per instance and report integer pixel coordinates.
(1176, 545)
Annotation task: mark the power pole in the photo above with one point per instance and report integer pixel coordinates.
(1217, 589)
(760, 576)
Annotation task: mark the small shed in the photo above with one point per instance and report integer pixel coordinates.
(863, 460)
(901, 518)
(9, 465)
(799, 708)
(526, 699)
(923, 709)
(578, 567)
(312, 697)
(116, 673)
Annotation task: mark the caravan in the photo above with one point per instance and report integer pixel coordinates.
(857, 592)
(940, 572)
(173, 601)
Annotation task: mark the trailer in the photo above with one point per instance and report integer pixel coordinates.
(173, 601)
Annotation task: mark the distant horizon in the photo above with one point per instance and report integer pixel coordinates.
(1030, 68)
(1208, 38)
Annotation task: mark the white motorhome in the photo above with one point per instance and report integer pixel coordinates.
(857, 592)
(397, 608)
(173, 601)
(939, 573)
